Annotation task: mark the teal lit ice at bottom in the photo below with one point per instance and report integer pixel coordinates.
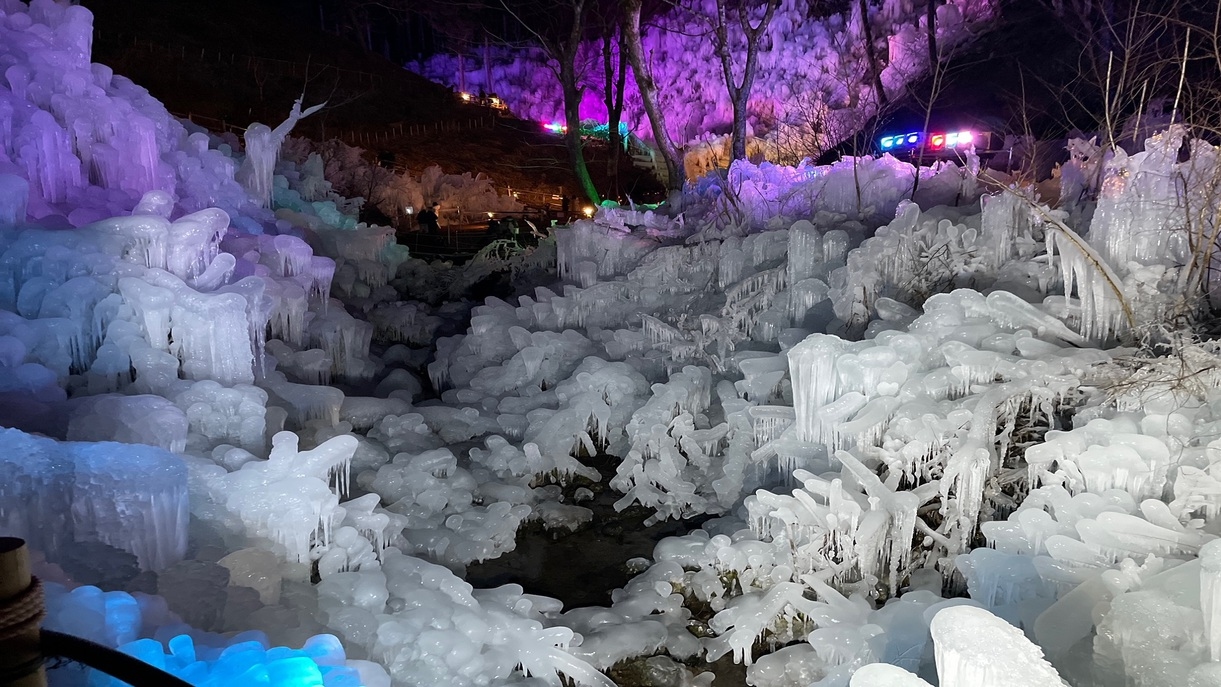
(318, 664)
(244, 660)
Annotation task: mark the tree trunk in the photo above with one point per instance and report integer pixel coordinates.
(487, 66)
(932, 34)
(576, 156)
(739, 95)
(648, 93)
(567, 54)
(871, 53)
(615, 82)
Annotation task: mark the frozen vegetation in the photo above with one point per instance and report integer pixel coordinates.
(813, 87)
(930, 451)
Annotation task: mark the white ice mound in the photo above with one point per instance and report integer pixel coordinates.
(291, 498)
(130, 496)
(976, 649)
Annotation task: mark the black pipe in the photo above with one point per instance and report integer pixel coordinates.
(115, 663)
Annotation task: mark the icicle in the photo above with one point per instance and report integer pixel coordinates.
(1210, 596)
(1101, 312)
(815, 381)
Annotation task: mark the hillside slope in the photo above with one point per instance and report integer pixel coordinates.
(198, 60)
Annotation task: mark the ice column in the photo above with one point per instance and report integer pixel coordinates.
(14, 194)
(1210, 595)
(263, 149)
(805, 251)
(1127, 226)
(812, 369)
(44, 149)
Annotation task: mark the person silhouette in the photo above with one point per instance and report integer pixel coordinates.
(428, 219)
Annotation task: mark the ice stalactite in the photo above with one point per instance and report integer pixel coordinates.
(815, 379)
(288, 255)
(1101, 302)
(975, 461)
(14, 195)
(259, 309)
(75, 301)
(804, 295)
(742, 625)
(1194, 493)
(730, 266)
(900, 506)
(43, 148)
(668, 452)
(1129, 226)
(152, 306)
(749, 298)
(1005, 219)
(659, 333)
(404, 322)
(131, 496)
(763, 377)
(210, 333)
(263, 151)
(1210, 596)
(146, 235)
(289, 314)
(612, 248)
(346, 340)
(805, 252)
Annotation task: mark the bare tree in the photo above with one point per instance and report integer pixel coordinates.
(562, 43)
(739, 92)
(1133, 52)
(812, 123)
(648, 92)
(614, 73)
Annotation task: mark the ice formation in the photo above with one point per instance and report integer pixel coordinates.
(131, 497)
(859, 387)
(967, 641)
(121, 620)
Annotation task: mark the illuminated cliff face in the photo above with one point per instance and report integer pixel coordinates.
(813, 76)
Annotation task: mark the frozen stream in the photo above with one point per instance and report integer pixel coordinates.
(581, 568)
